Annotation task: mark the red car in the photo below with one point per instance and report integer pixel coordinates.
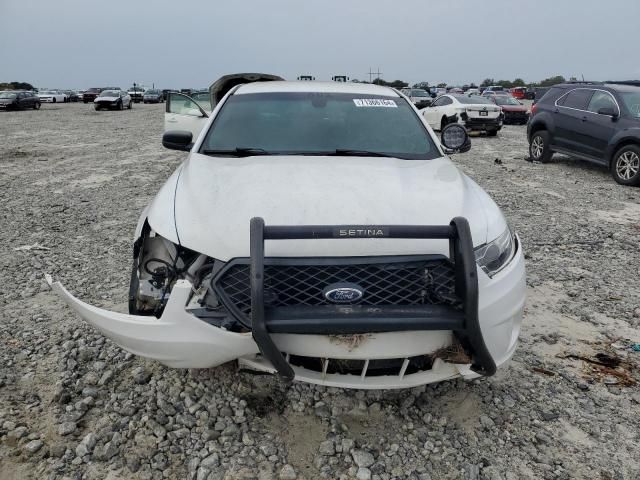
(518, 92)
(513, 112)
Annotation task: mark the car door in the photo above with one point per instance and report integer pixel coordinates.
(570, 114)
(184, 113)
(432, 113)
(599, 128)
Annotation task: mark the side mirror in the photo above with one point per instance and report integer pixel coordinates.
(178, 140)
(609, 111)
(455, 139)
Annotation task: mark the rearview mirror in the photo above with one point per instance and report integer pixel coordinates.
(455, 139)
(610, 111)
(178, 140)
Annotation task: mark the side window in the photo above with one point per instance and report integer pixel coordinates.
(442, 101)
(182, 105)
(578, 98)
(600, 100)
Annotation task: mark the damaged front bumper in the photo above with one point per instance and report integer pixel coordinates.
(180, 339)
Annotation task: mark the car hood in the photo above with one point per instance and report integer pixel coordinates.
(7, 100)
(208, 202)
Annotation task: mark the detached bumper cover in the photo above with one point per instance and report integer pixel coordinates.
(177, 339)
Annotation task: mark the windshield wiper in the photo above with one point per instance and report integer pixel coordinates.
(345, 152)
(239, 152)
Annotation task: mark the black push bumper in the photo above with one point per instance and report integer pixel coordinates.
(353, 319)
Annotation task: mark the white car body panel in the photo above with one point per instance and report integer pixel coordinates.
(206, 206)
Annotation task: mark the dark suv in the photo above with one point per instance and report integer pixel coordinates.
(599, 122)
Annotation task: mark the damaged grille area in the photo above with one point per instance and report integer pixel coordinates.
(392, 282)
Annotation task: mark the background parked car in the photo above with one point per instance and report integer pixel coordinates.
(52, 96)
(472, 91)
(71, 96)
(513, 112)
(18, 100)
(419, 97)
(598, 122)
(475, 113)
(517, 92)
(113, 99)
(136, 94)
(152, 96)
(91, 94)
(530, 93)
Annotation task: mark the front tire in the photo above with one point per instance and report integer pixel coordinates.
(539, 147)
(54, 99)
(443, 123)
(625, 165)
(96, 107)
(130, 104)
(36, 106)
(492, 133)
(120, 106)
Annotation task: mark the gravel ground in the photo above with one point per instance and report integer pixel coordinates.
(74, 406)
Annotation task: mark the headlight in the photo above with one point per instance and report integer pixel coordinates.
(494, 256)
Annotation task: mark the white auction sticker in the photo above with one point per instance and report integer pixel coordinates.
(374, 102)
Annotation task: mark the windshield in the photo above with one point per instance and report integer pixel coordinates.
(419, 93)
(505, 100)
(152, 92)
(109, 93)
(471, 100)
(631, 100)
(316, 123)
(7, 95)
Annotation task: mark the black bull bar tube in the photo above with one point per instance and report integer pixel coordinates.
(340, 320)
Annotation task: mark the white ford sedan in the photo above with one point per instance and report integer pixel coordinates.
(319, 231)
(474, 112)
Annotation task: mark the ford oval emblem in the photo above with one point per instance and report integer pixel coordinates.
(343, 293)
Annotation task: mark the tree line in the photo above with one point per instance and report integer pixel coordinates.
(16, 86)
(518, 82)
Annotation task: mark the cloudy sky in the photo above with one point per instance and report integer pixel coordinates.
(79, 43)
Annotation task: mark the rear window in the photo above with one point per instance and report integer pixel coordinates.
(578, 98)
(318, 123)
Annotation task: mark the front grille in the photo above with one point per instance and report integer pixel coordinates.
(388, 283)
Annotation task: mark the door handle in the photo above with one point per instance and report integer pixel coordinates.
(584, 119)
(556, 111)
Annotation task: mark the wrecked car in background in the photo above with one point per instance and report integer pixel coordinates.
(319, 231)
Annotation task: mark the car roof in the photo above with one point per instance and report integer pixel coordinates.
(320, 87)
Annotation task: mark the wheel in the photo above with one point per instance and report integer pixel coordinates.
(625, 165)
(443, 123)
(36, 106)
(539, 147)
(492, 133)
(130, 104)
(85, 101)
(54, 99)
(120, 105)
